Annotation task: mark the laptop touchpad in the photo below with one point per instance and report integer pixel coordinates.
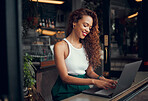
(105, 92)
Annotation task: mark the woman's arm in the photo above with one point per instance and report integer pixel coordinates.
(59, 53)
(90, 72)
(60, 49)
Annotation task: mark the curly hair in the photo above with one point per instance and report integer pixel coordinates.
(91, 42)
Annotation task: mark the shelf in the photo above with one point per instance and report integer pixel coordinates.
(44, 64)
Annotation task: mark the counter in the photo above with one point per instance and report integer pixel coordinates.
(44, 64)
(46, 76)
(141, 79)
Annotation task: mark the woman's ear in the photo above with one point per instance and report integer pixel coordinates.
(74, 24)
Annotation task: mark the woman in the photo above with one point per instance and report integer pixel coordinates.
(77, 55)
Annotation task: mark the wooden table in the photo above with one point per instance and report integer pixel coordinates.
(141, 78)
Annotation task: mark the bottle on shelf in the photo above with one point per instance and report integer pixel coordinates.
(43, 22)
(47, 25)
(52, 24)
(40, 23)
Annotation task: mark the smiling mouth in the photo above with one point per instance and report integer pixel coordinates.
(84, 33)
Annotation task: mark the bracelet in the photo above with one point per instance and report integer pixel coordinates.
(99, 77)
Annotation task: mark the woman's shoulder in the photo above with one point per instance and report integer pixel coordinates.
(60, 45)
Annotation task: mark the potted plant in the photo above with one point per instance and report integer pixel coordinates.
(29, 73)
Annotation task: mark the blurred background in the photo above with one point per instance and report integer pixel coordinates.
(30, 28)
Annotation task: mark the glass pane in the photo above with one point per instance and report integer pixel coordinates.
(124, 34)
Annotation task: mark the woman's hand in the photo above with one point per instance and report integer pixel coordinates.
(103, 84)
(113, 82)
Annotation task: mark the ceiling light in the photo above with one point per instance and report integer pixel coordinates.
(133, 15)
(49, 1)
(138, 0)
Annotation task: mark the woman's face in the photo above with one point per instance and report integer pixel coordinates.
(83, 26)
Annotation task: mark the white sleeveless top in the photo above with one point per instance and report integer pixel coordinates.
(76, 62)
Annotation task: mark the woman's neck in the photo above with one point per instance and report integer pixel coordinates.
(73, 38)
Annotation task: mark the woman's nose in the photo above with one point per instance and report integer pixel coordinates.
(87, 29)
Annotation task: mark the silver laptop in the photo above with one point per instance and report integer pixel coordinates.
(125, 81)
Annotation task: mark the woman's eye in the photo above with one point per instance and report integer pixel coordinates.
(84, 25)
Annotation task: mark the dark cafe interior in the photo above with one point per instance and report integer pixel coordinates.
(29, 30)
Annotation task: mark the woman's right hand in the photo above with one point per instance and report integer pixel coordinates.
(103, 84)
